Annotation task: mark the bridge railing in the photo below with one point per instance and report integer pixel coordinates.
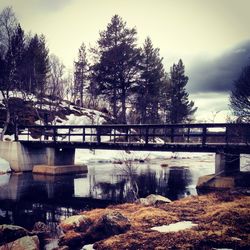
(221, 133)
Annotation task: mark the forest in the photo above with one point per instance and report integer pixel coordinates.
(115, 75)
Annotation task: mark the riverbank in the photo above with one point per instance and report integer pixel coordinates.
(223, 221)
(211, 221)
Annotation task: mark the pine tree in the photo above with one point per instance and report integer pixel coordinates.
(117, 68)
(149, 88)
(81, 74)
(37, 65)
(177, 106)
(240, 96)
(15, 57)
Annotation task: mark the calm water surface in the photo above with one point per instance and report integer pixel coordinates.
(27, 198)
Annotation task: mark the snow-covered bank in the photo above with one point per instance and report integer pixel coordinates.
(95, 156)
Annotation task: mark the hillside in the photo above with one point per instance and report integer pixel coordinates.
(29, 110)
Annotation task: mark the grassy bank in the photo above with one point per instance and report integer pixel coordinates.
(223, 221)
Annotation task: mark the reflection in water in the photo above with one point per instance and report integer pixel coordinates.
(28, 198)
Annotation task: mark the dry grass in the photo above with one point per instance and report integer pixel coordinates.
(223, 221)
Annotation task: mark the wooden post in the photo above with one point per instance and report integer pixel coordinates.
(172, 134)
(204, 135)
(16, 132)
(146, 136)
(54, 134)
(98, 135)
(126, 137)
(188, 139)
(226, 136)
(83, 134)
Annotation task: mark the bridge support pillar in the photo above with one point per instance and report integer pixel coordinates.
(58, 156)
(227, 163)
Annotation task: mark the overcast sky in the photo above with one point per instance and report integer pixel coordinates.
(212, 37)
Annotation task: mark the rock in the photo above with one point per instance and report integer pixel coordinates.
(153, 199)
(40, 227)
(24, 243)
(76, 222)
(71, 238)
(42, 231)
(10, 233)
(109, 224)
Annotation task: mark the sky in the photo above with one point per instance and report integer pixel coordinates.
(211, 37)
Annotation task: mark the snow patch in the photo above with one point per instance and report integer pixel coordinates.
(4, 166)
(88, 247)
(175, 227)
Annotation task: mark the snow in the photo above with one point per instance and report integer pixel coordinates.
(4, 166)
(4, 180)
(175, 227)
(88, 247)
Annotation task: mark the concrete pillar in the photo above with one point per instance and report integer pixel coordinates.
(227, 163)
(57, 157)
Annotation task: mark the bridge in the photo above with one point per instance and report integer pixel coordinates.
(228, 141)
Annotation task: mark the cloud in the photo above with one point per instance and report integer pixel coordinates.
(212, 106)
(52, 5)
(218, 75)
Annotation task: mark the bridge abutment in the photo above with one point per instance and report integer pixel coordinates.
(227, 163)
(40, 159)
(57, 156)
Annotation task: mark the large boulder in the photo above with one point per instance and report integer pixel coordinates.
(71, 239)
(24, 243)
(109, 224)
(76, 222)
(10, 233)
(153, 199)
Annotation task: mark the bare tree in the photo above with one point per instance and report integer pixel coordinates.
(55, 86)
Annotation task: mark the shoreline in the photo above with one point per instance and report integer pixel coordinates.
(222, 220)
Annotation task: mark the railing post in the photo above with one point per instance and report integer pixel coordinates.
(16, 132)
(146, 136)
(83, 134)
(54, 134)
(226, 136)
(126, 137)
(204, 135)
(98, 135)
(172, 134)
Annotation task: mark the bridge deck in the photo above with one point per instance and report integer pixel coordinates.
(180, 137)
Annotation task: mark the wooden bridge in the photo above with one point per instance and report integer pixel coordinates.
(55, 145)
(213, 137)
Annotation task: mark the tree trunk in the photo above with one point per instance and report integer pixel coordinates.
(114, 103)
(123, 99)
(7, 121)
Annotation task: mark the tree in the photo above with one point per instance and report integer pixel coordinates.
(37, 65)
(149, 87)
(117, 67)
(240, 96)
(177, 106)
(55, 86)
(8, 25)
(80, 74)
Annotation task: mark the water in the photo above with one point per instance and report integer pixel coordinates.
(27, 198)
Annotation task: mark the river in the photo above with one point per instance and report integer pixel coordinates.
(26, 198)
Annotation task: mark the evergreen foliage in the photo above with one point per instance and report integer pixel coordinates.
(177, 106)
(118, 66)
(81, 72)
(150, 85)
